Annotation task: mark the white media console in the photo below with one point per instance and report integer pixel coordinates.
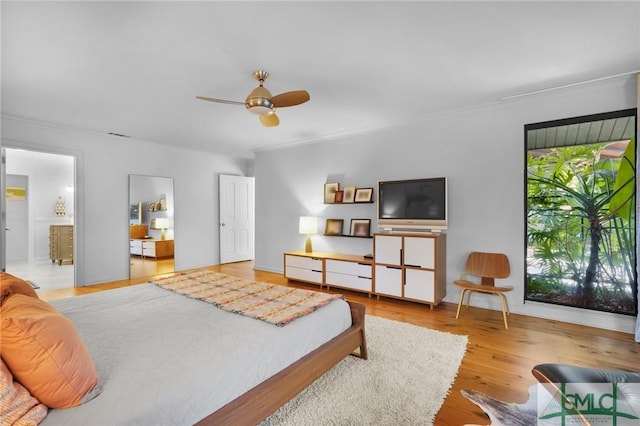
(405, 265)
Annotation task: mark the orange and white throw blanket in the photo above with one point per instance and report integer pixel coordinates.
(272, 303)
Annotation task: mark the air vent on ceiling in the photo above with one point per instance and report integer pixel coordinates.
(120, 135)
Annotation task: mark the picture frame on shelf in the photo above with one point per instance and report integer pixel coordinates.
(330, 192)
(360, 228)
(363, 195)
(152, 207)
(338, 196)
(349, 194)
(333, 227)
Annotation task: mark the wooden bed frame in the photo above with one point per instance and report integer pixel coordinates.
(263, 400)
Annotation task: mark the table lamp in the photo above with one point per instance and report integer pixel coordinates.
(308, 225)
(161, 223)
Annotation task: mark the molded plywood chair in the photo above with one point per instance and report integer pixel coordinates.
(487, 266)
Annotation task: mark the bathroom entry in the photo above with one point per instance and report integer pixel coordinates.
(39, 199)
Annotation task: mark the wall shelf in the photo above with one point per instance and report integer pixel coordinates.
(349, 204)
(347, 236)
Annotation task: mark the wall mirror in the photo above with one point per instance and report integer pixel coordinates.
(151, 231)
(580, 212)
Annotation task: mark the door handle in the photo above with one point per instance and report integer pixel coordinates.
(7, 229)
(222, 224)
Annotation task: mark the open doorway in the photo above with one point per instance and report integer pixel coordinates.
(39, 223)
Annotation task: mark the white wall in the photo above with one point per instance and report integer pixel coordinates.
(480, 150)
(102, 204)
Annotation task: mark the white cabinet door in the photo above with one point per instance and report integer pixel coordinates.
(388, 281)
(348, 281)
(304, 274)
(303, 269)
(149, 248)
(135, 247)
(304, 262)
(419, 252)
(419, 285)
(388, 249)
(352, 275)
(349, 268)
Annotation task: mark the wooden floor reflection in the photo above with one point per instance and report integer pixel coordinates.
(149, 266)
(142, 270)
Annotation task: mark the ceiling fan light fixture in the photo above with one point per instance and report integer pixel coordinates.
(259, 101)
(259, 108)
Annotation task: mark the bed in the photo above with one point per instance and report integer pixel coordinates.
(164, 358)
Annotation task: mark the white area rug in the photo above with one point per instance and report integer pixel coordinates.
(404, 382)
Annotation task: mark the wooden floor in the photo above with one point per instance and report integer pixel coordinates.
(498, 362)
(144, 266)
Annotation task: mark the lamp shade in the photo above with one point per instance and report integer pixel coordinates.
(159, 223)
(308, 225)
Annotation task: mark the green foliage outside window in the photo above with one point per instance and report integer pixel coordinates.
(581, 227)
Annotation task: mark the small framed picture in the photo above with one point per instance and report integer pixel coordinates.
(152, 207)
(333, 227)
(363, 195)
(360, 227)
(339, 195)
(15, 193)
(349, 194)
(330, 192)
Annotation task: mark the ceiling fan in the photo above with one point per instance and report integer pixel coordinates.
(262, 103)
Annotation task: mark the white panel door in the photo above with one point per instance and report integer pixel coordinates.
(236, 218)
(17, 239)
(3, 213)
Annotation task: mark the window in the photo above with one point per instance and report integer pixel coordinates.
(580, 212)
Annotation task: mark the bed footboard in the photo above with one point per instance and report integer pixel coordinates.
(263, 400)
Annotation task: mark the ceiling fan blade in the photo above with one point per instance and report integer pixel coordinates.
(288, 99)
(222, 101)
(269, 120)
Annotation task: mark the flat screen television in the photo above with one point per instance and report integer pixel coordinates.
(413, 204)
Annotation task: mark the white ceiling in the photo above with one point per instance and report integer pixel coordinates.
(135, 68)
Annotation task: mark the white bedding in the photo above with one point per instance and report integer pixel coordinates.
(166, 359)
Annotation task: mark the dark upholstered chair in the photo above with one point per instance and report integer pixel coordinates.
(551, 377)
(563, 373)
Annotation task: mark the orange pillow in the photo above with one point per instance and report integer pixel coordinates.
(17, 406)
(11, 285)
(44, 352)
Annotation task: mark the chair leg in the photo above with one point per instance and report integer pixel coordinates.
(469, 297)
(506, 304)
(505, 309)
(460, 302)
(503, 301)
